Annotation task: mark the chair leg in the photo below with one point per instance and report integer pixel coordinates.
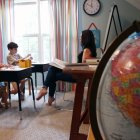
(29, 86)
(56, 106)
(59, 107)
(66, 99)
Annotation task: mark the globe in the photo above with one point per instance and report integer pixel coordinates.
(118, 98)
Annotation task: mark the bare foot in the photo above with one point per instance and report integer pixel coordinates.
(42, 92)
(50, 101)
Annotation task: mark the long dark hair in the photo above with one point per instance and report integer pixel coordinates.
(87, 41)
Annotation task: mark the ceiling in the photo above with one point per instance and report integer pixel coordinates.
(135, 3)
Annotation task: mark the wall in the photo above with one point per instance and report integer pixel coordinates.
(127, 12)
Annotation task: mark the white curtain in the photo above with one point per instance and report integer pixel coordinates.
(6, 25)
(64, 32)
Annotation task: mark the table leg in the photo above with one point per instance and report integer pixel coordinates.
(43, 82)
(33, 91)
(86, 117)
(75, 124)
(35, 80)
(19, 101)
(43, 77)
(9, 93)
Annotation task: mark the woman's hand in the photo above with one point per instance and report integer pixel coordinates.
(86, 55)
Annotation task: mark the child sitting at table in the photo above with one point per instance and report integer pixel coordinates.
(3, 92)
(13, 59)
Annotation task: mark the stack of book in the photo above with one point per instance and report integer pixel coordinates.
(75, 66)
(94, 61)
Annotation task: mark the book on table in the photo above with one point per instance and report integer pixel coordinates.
(92, 61)
(62, 64)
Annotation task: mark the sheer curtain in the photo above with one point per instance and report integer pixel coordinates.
(64, 29)
(1, 54)
(64, 32)
(6, 27)
(1, 57)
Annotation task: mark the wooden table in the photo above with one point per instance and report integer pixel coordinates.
(17, 74)
(81, 76)
(41, 68)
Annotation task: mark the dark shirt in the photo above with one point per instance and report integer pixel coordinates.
(80, 57)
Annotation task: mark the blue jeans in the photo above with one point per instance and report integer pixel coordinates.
(56, 74)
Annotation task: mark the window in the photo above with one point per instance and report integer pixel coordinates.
(31, 18)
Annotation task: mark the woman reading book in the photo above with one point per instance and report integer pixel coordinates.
(55, 74)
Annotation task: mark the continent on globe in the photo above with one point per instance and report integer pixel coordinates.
(125, 85)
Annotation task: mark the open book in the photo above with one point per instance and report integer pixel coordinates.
(61, 64)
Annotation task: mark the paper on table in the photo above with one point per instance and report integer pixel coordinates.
(11, 68)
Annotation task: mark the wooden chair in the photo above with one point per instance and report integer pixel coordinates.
(29, 86)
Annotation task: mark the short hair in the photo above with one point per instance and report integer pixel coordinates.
(12, 45)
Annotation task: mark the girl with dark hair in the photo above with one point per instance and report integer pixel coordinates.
(55, 74)
(88, 46)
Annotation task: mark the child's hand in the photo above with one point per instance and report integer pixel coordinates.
(8, 66)
(31, 58)
(29, 55)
